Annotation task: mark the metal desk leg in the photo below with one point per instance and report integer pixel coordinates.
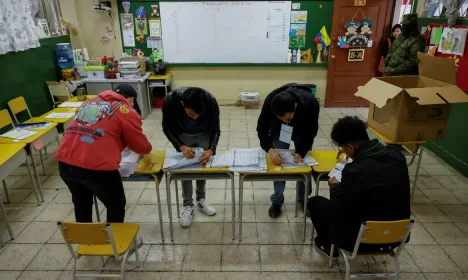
(233, 195)
(169, 205)
(416, 176)
(6, 221)
(317, 183)
(297, 195)
(148, 96)
(31, 151)
(177, 198)
(6, 192)
(241, 202)
(32, 179)
(306, 199)
(156, 182)
(42, 162)
(96, 208)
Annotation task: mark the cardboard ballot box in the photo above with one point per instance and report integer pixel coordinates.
(412, 108)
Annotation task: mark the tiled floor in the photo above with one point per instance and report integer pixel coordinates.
(271, 249)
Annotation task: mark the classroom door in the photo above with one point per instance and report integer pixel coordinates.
(345, 76)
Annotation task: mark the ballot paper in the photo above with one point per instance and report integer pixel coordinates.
(59, 115)
(177, 161)
(222, 160)
(128, 163)
(34, 125)
(287, 155)
(70, 104)
(338, 169)
(18, 134)
(249, 160)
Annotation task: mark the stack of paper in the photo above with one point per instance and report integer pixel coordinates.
(35, 125)
(222, 160)
(70, 104)
(59, 115)
(249, 160)
(177, 161)
(18, 134)
(128, 163)
(289, 159)
(336, 172)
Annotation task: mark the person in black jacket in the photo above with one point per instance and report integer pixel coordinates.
(375, 186)
(191, 119)
(291, 106)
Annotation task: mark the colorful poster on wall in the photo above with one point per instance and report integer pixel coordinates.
(128, 38)
(297, 29)
(126, 6)
(155, 27)
(459, 41)
(296, 6)
(447, 41)
(154, 42)
(141, 26)
(126, 20)
(297, 41)
(436, 35)
(299, 17)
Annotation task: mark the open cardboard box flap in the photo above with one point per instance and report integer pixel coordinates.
(437, 68)
(378, 92)
(438, 95)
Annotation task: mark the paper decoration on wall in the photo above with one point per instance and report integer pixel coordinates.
(297, 41)
(154, 11)
(158, 54)
(296, 6)
(319, 54)
(447, 41)
(140, 12)
(141, 26)
(109, 33)
(155, 27)
(129, 51)
(128, 38)
(140, 54)
(299, 17)
(360, 3)
(432, 50)
(44, 27)
(356, 55)
(126, 6)
(140, 38)
(126, 20)
(297, 29)
(306, 56)
(154, 42)
(105, 40)
(358, 34)
(459, 41)
(436, 35)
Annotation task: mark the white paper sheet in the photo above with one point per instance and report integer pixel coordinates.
(177, 161)
(128, 163)
(289, 159)
(249, 160)
(70, 104)
(286, 134)
(337, 171)
(128, 38)
(18, 134)
(222, 160)
(298, 16)
(43, 125)
(59, 115)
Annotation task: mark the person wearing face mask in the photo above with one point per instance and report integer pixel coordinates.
(387, 44)
(402, 59)
(291, 107)
(90, 152)
(191, 119)
(375, 186)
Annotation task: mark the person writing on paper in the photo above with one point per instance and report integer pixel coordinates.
(289, 112)
(90, 152)
(375, 186)
(191, 119)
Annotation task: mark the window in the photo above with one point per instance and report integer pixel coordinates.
(50, 10)
(435, 8)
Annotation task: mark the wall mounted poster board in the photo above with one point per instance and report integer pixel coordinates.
(226, 32)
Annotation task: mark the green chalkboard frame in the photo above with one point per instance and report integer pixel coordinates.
(320, 13)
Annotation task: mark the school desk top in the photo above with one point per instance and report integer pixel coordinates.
(271, 169)
(160, 77)
(75, 99)
(9, 150)
(327, 160)
(56, 110)
(30, 139)
(145, 166)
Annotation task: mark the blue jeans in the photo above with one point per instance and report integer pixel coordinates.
(277, 197)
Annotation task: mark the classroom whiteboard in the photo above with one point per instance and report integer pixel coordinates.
(225, 32)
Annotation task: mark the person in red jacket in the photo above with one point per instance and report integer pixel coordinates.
(90, 152)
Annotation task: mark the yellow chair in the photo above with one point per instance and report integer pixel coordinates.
(17, 106)
(101, 240)
(373, 232)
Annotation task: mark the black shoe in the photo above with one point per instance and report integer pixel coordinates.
(325, 249)
(274, 211)
(301, 204)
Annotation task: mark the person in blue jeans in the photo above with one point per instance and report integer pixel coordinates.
(289, 113)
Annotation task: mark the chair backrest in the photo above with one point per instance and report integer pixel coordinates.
(5, 118)
(58, 90)
(376, 232)
(17, 106)
(85, 233)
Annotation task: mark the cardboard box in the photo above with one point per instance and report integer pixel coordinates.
(251, 104)
(412, 108)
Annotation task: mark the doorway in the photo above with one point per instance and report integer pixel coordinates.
(345, 76)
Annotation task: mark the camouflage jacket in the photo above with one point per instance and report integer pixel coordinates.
(402, 58)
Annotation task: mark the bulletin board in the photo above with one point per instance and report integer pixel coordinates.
(319, 14)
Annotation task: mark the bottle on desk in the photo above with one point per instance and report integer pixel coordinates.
(289, 56)
(298, 55)
(294, 55)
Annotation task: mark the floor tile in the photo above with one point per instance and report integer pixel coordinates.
(17, 195)
(428, 213)
(49, 196)
(18, 256)
(312, 261)
(160, 275)
(420, 236)
(9, 275)
(54, 212)
(441, 196)
(431, 258)
(24, 212)
(37, 232)
(461, 194)
(202, 258)
(437, 169)
(271, 254)
(445, 276)
(248, 213)
(459, 254)
(297, 231)
(40, 275)
(51, 257)
(16, 228)
(456, 213)
(387, 264)
(143, 214)
(261, 215)
(165, 258)
(240, 258)
(274, 233)
(54, 182)
(206, 233)
(463, 227)
(454, 182)
(249, 234)
(446, 233)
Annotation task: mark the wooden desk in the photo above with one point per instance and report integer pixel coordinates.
(155, 81)
(297, 175)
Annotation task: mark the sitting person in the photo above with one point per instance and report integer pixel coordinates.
(374, 187)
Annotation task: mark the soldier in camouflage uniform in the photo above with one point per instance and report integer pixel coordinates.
(402, 58)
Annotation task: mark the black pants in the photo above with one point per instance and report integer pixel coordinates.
(84, 183)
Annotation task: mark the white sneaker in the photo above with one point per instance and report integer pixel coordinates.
(206, 208)
(187, 216)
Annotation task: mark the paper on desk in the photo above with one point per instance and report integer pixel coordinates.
(39, 125)
(177, 161)
(59, 115)
(128, 163)
(70, 104)
(338, 169)
(249, 160)
(289, 159)
(18, 134)
(222, 160)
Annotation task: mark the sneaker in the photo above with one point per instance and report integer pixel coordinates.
(274, 211)
(206, 208)
(187, 216)
(325, 249)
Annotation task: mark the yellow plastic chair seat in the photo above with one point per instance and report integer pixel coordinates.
(124, 234)
(383, 253)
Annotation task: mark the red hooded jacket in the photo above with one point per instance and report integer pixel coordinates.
(102, 127)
